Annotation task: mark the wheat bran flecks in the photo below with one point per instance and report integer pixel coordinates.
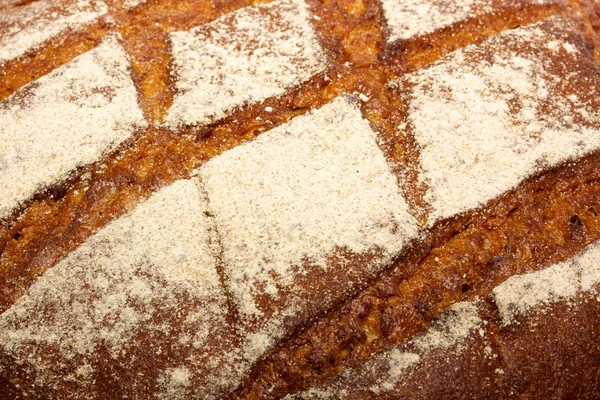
(25, 28)
(561, 282)
(383, 374)
(242, 58)
(412, 18)
(490, 115)
(64, 120)
(286, 203)
(145, 283)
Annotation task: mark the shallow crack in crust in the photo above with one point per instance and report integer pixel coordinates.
(138, 307)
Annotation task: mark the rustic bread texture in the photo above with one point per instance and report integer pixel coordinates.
(302, 199)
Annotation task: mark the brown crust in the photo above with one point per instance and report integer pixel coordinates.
(547, 220)
(60, 219)
(557, 213)
(550, 353)
(553, 353)
(428, 48)
(37, 63)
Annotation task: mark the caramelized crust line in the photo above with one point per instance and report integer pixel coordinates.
(63, 217)
(547, 220)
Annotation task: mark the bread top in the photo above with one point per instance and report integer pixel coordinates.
(231, 200)
(488, 116)
(27, 27)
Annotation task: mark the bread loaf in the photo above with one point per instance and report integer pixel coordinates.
(299, 199)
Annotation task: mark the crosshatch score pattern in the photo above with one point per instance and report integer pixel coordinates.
(299, 199)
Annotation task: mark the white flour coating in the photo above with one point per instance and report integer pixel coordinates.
(318, 393)
(410, 18)
(153, 261)
(131, 4)
(25, 28)
(561, 282)
(242, 58)
(381, 375)
(450, 329)
(64, 120)
(175, 384)
(397, 363)
(589, 262)
(297, 194)
(479, 115)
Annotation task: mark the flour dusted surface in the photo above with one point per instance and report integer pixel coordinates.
(408, 18)
(290, 200)
(462, 331)
(449, 332)
(561, 282)
(242, 58)
(25, 28)
(176, 383)
(120, 287)
(131, 4)
(488, 116)
(457, 328)
(64, 120)
(411, 18)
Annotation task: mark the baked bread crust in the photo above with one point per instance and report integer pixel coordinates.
(347, 302)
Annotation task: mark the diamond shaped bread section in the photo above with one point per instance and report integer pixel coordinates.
(305, 212)
(68, 118)
(142, 291)
(25, 28)
(491, 115)
(407, 19)
(242, 58)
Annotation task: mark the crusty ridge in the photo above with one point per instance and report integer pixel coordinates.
(476, 330)
(98, 306)
(350, 79)
(370, 320)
